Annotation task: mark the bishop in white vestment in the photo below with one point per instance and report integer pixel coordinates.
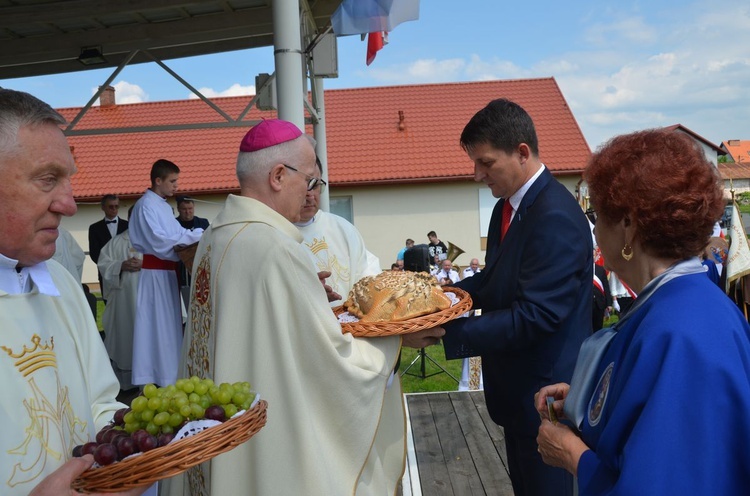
(259, 313)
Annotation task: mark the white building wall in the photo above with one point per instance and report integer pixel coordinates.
(385, 215)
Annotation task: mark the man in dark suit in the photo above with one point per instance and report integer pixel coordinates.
(188, 220)
(534, 292)
(187, 217)
(102, 231)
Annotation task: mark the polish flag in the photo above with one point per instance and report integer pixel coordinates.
(375, 42)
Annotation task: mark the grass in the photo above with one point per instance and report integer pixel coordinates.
(412, 382)
(99, 310)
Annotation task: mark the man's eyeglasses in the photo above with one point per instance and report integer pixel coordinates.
(312, 182)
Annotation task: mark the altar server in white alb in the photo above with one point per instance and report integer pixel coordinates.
(155, 232)
(335, 245)
(58, 388)
(259, 313)
(120, 267)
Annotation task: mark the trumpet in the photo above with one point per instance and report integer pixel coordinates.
(453, 251)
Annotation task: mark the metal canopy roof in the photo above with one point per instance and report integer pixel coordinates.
(46, 36)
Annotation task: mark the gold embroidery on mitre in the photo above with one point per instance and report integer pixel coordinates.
(50, 424)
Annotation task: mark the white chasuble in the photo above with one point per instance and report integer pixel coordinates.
(336, 246)
(58, 387)
(259, 313)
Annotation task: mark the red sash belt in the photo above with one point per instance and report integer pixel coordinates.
(152, 262)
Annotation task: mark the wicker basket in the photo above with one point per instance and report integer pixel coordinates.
(174, 458)
(187, 254)
(377, 329)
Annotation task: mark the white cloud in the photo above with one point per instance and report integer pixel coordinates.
(481, 70)
(419, 71)
(126, 93)
(235, 90)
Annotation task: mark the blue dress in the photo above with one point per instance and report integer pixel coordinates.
(671, 411)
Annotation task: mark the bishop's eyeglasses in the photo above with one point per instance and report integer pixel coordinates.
(312, 182)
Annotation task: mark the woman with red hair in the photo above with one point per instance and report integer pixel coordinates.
(659, 403)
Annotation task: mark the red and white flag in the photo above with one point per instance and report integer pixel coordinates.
(375, 42)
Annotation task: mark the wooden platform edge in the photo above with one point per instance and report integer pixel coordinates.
(410, 483)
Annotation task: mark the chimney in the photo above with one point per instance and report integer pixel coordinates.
(401, 123)
(107, 97)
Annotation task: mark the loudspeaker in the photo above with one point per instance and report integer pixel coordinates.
(417, 258)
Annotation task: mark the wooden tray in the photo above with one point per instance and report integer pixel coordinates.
(376, 329)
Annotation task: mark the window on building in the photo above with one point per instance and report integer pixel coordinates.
(342, 206)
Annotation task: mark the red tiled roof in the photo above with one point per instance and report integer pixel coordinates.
(365, 145)
(738, 149)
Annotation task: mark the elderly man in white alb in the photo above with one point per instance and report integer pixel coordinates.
(335, 245)
(58, 388)
(154, 231)
(120, 267)
(259, 313)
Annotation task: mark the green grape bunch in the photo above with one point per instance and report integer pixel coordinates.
(159, 412)
(163, 410)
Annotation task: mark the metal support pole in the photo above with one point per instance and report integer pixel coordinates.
(288, 60)
(319, 131)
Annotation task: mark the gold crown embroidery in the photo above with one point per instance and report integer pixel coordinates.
(31, 359)
(317, 245)
(53, 427)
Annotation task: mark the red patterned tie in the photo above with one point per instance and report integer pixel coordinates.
(507, 213)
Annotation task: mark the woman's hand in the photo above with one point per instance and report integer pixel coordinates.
(558, 391)
(58, 482)
(560, 446)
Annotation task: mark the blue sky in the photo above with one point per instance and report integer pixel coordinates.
(621, 65)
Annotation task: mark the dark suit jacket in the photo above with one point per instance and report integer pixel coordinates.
(99, 236)
(195, 223)
(535, 296)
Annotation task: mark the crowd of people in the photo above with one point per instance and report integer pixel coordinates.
(620, 410)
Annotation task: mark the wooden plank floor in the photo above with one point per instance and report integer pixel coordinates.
(455, 449)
